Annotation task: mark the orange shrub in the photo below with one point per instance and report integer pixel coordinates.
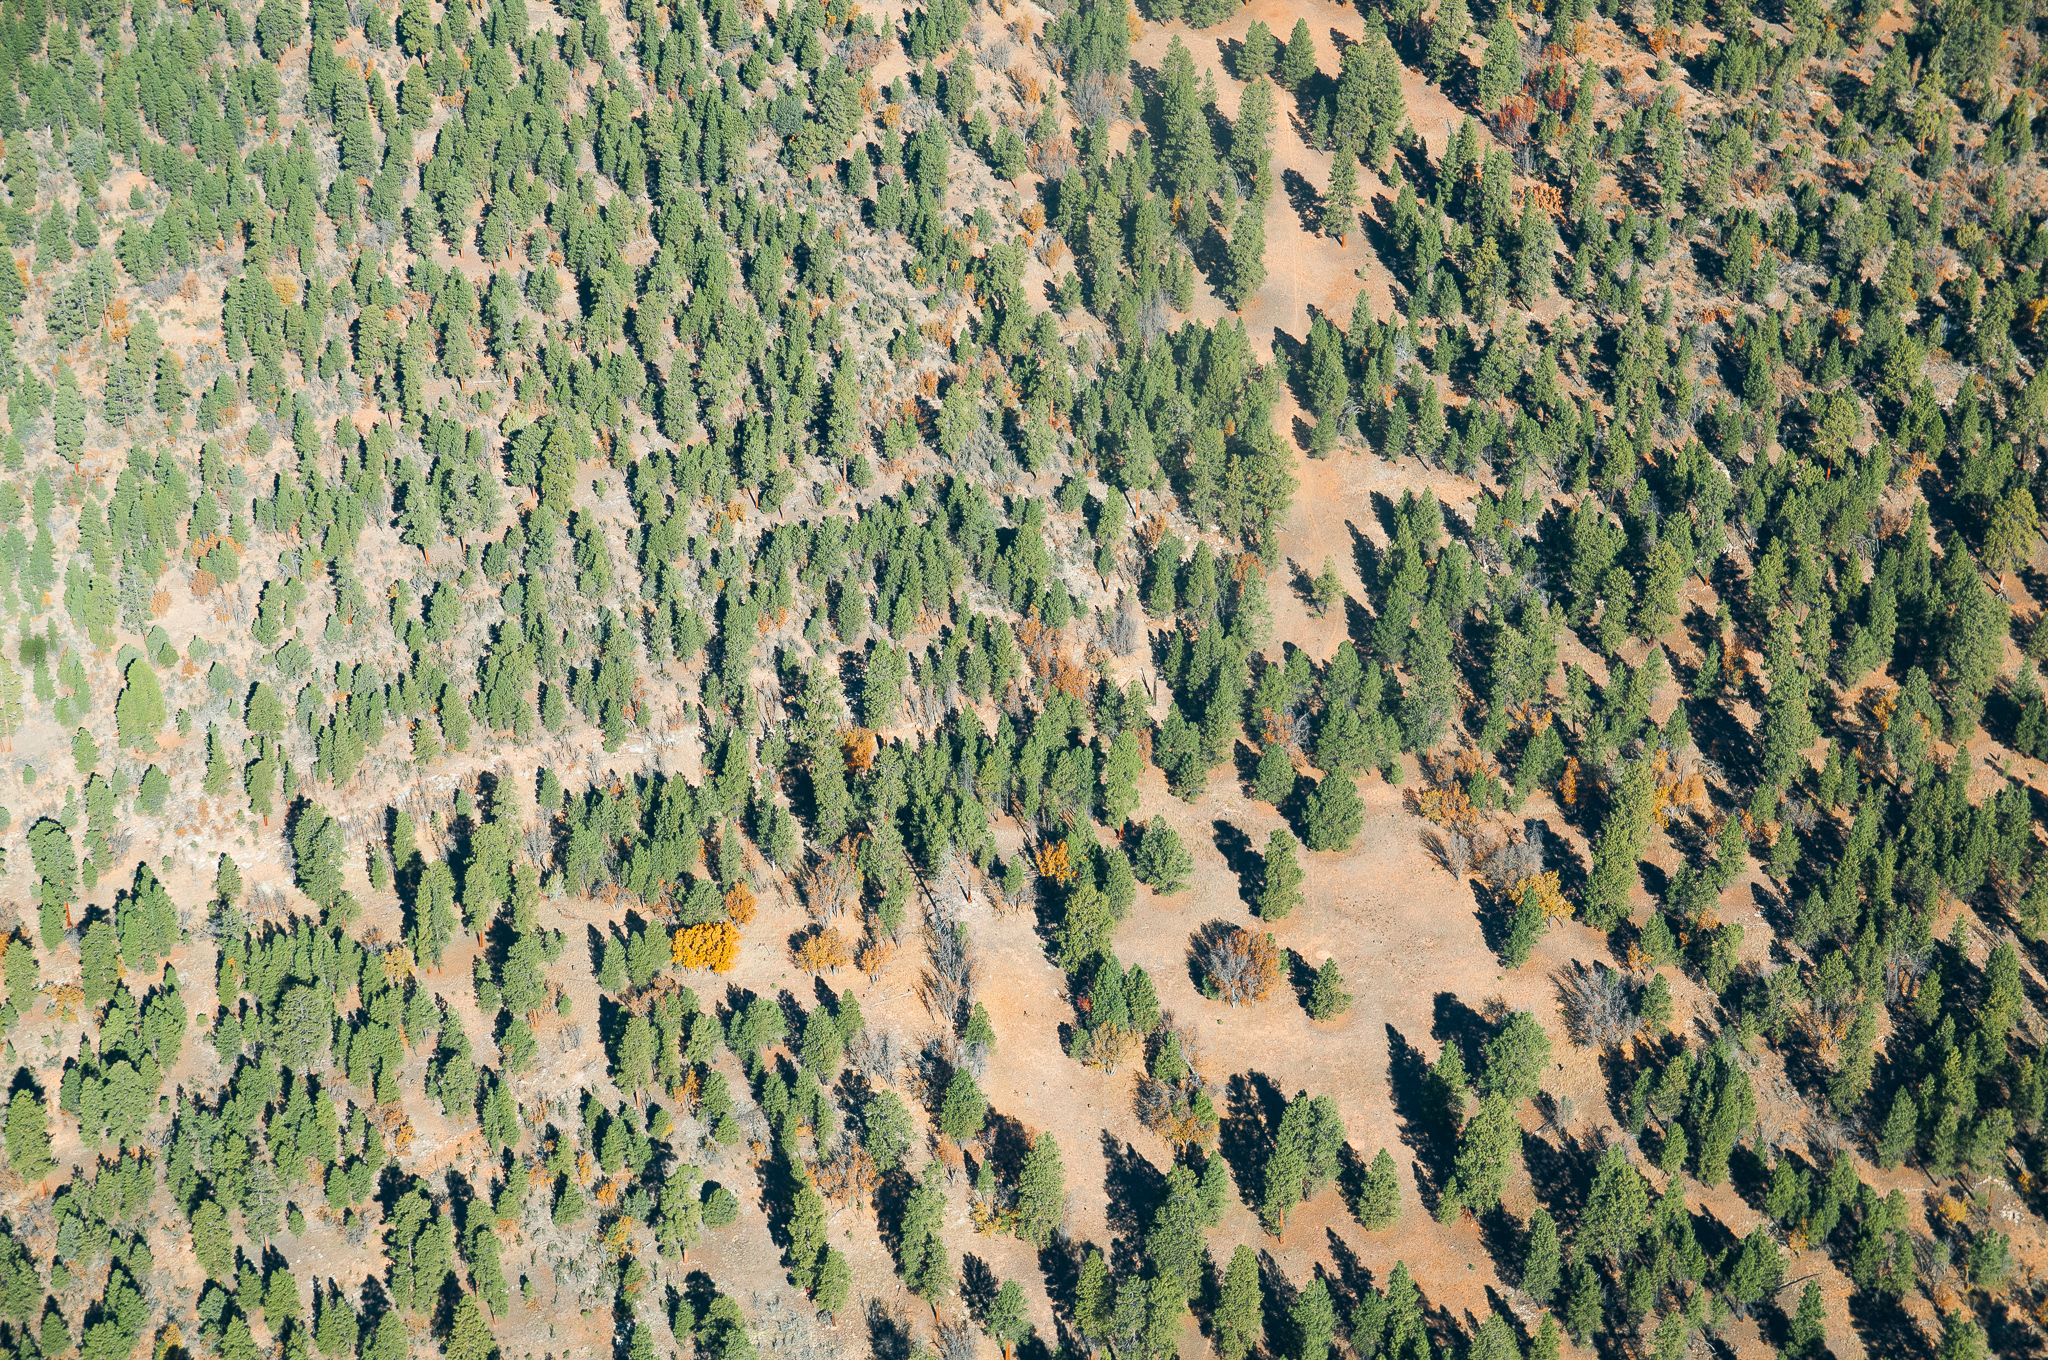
(714, 945)
(740, 903)
(823, 951)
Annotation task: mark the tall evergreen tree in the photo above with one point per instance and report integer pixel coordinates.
(1447, 34)
(1041, 1192)
(1240, 1311)
(1298, 58)
(1340, 199)
(1245, 270)
(1500, 75)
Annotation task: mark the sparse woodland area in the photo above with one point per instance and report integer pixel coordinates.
(595, 604)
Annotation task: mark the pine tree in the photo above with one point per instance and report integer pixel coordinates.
(1298, 58)
(2010, 531)
(1095, 1298)
(11, 708)
(1379, 1196)
(1041, 1192)
(1006, 1321)
(1251, 135)
(1240, 1311)
(1486, 1156)
(1186, 152)
(1809, 1330)
(964, 1109)
(1255, 56)
(834, 1282)
(1901, 1129)
(1622, 839)
(1274, 780)
(28, 1137)
(1280, 877)
(1334, 814)
(432, 920)
(1247, 263)
(1327, 588)
(67, 417)
(1535, 247)
(469, 1337)
(1524, 929)
(139, 711)
(1340, 199)
(1617, 1208)
(1495, 1341)
(1447, 33)
(1544, 1261)
(1313, 1320)
(1585, 1306)
(1500, 76)
(1161, 861)
(1327, 998)
(1430, 699)
(1516, 1059)
(921, 1251)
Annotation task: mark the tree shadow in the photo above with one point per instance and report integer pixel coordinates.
(889, 1335)
(1302, 197)
(1252, 1107)
(1561, 1172)
(1132, 1186)
(1349, 1279)
(978, 1285)
(1210, 936)
(1240, 858)
(1300, 976)
(1280, 1294)
(1454, 1022)
(1504, 1240)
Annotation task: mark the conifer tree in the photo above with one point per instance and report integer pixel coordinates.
(1313, 1320)
(28, 1137)
(1251, 135)
(1379, 1195)
(1617, 1207)
(139, 711)
(1525, 927)
(1246, 267)
(1327, 998)
(1041, 1192)
(1901, 1129)
(834, 1282)
(1240, 1311)
(1543, 1263)
(1298, 58)
(1280, 877)
(920, 1250)
(1255, 56)
(1334, 813)
(1274, 780)
(469, 1336)
(1006, 1321)
(1447, 33)
(1622, 838)
(1500, 75)
(964, 1109)
(1809, 1329)
(1340, 199)
(1584, 1305)
(1486, 1156)
(1535, 246)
